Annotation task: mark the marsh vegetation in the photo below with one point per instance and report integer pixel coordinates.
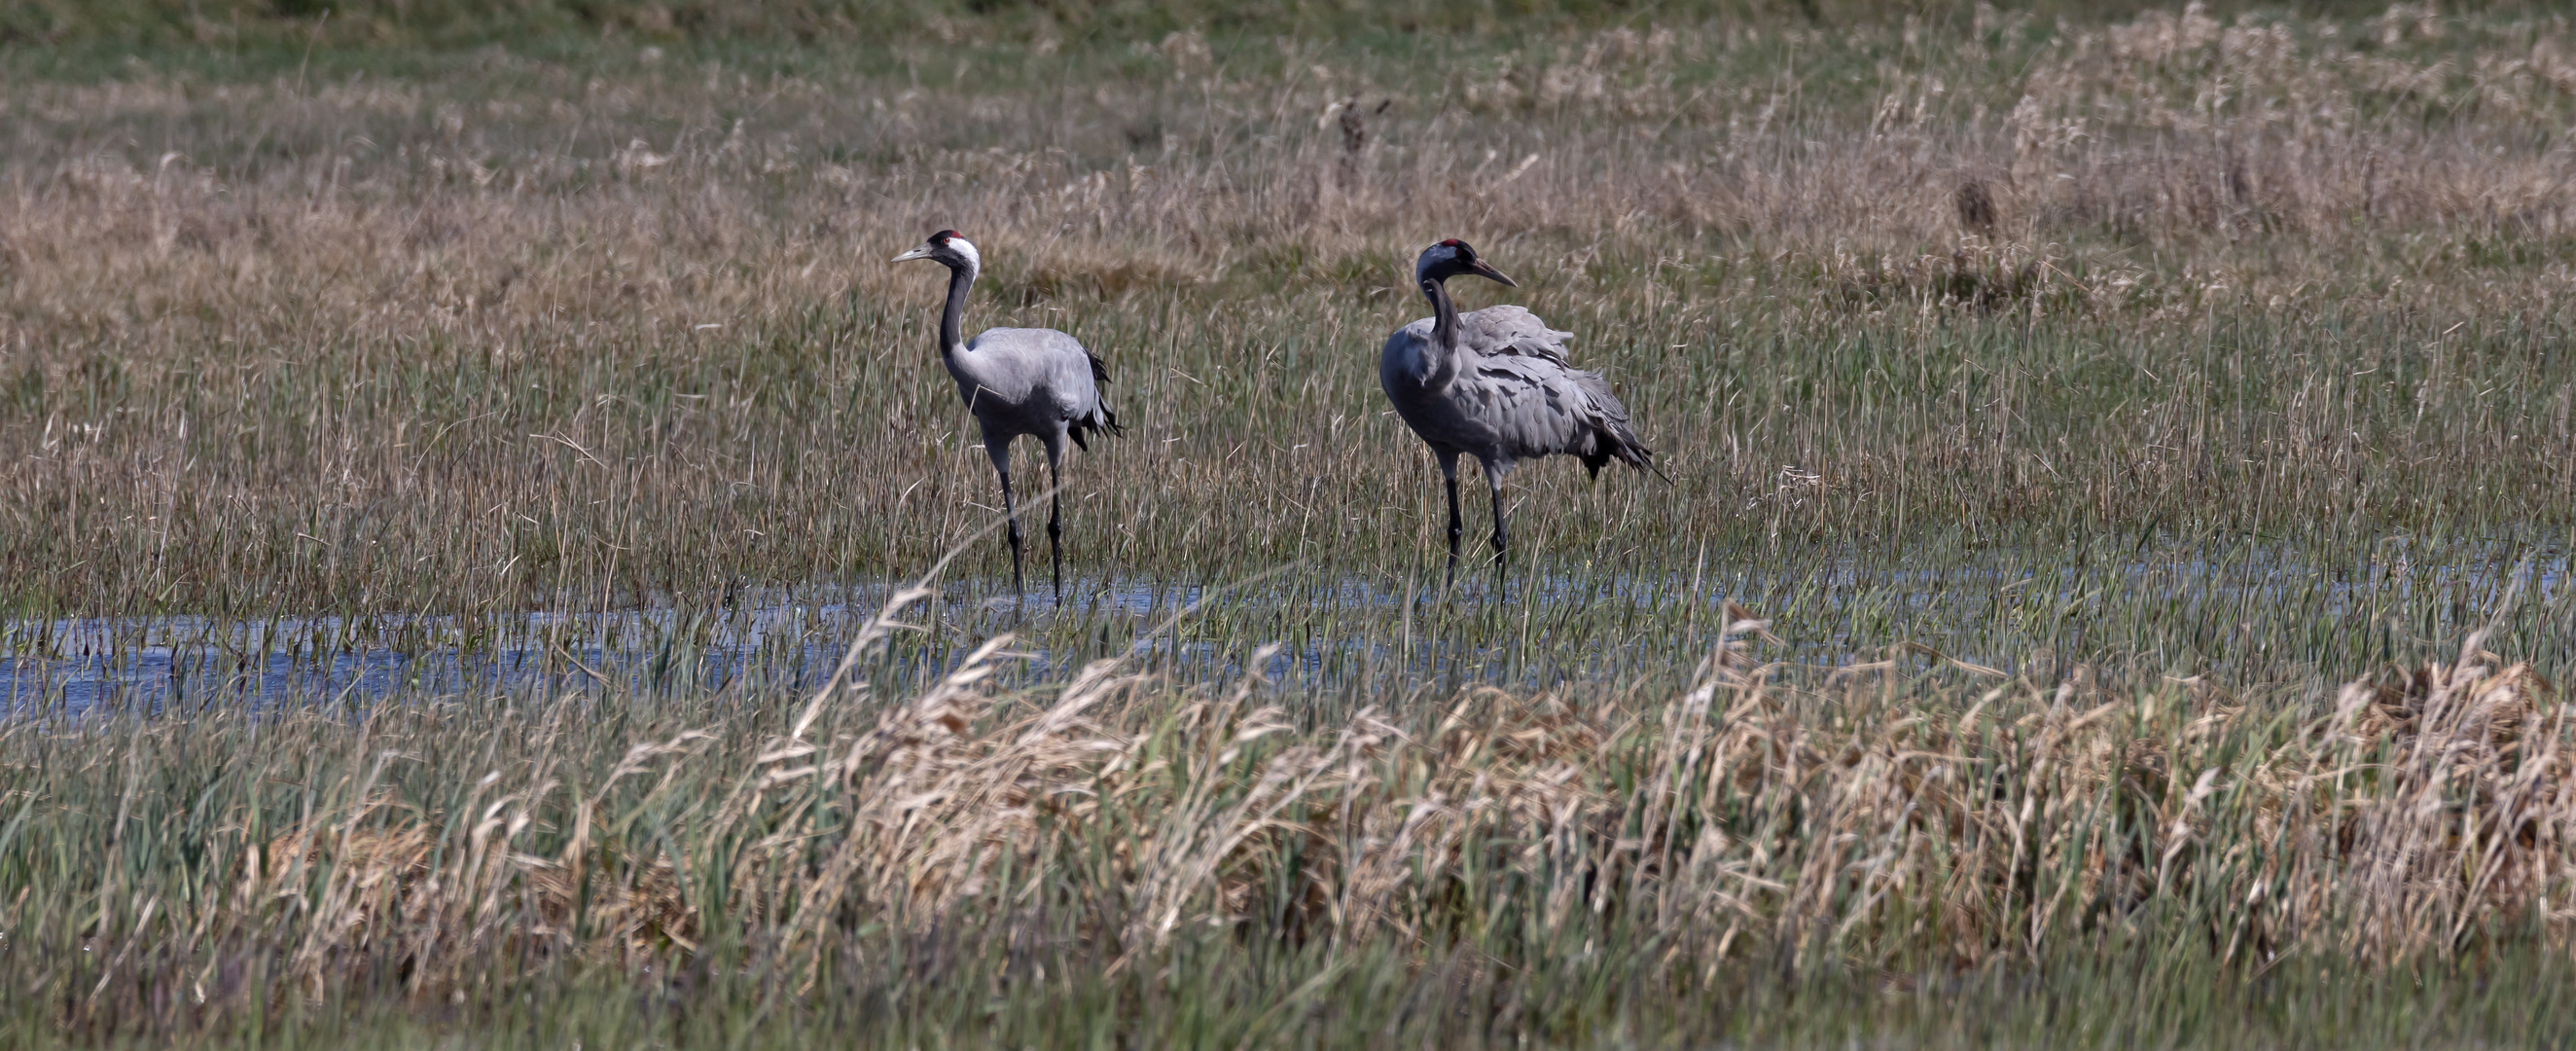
(459, 504)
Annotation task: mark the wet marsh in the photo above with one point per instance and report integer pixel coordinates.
(457, 505)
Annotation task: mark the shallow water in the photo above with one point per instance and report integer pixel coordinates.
(2259, 610)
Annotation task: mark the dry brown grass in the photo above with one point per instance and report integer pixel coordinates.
(610, 335)
(527, 330)
(1895, 821)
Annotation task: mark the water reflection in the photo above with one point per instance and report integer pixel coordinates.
(2193, 609)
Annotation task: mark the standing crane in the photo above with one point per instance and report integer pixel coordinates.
(1016, 381)
(1495, 384)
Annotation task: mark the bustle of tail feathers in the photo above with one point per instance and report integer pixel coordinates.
(1612, 439)
(1107, 420)
(1615, 442)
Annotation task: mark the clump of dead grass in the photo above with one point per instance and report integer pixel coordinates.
(1898, 819)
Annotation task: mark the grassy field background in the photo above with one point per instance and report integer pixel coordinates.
(2079, 400)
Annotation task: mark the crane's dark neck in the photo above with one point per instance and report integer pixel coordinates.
(1444, 364)
(1444, 314)
(960, 278)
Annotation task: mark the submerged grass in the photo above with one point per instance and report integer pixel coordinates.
(2118, 426)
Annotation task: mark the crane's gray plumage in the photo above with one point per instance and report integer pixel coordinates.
(1033, 381)
(1495, 384)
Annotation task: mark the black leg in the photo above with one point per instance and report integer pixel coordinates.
(1055, 525)
(1000, 451)
(1457, 527)
(1011, 509)
(1502, 538)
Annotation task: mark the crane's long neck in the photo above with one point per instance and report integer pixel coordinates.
(951, 341)
(1444, 333)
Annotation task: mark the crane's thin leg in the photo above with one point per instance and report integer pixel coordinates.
(1502, 530)
(1055, 510)
(1449, 471)
(1502, 533)
(1000, 450)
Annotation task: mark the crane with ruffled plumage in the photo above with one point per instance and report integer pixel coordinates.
(1495, 384)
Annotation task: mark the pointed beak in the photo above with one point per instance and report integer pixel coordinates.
(918, 252)
(1488, 272)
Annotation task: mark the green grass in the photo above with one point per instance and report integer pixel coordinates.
(437, 341)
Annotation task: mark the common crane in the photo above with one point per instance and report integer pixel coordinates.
(1034, 381)
(1495, 384)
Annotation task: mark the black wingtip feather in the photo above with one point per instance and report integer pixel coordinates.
(1107, 420)
(1613, 441)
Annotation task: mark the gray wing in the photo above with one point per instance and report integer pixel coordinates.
(1540, 407)
(1499, 331)
(1040, 371)
(1508, 330)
